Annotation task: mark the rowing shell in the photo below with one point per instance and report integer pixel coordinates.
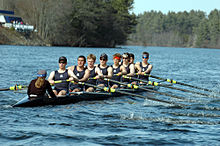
(73, 98)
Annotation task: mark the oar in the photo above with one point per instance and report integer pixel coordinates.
(162, 85)
(183, 84)
(149, 90)
(61, 81)
(20, 87)
(131, 94)
(16, 87)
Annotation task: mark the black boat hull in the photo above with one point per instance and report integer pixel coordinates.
(68, 99)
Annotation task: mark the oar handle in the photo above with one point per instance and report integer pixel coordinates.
(144, 81)
(61, 81)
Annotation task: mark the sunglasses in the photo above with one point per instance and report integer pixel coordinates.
(144, 57)
(125, 58)
(62, 62)
(103, 59)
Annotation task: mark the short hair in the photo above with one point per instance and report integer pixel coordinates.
(146, 54)
(117, 55)
(126, 55)
(131, 55)
(81, 56)
(91, 56)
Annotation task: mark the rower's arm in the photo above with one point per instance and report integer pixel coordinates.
(123, 70)
(72, 76)
(50, 78)
(110, 72)
(149, 69)
(98, 72)
(86, 76)
(132, 70)
(137, 65)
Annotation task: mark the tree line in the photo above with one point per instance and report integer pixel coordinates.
(107, 23)
(182, 29)
(83, 23)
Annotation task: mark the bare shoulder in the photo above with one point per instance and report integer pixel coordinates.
(110, 68)
(52, 73)
(71, 67)
(87, 70)
(137, 63)
(97, 69)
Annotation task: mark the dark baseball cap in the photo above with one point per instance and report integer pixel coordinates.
(63, 59)
(104, 56)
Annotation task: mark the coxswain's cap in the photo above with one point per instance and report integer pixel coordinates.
(104, 56)
(42, 73)
(63, 59)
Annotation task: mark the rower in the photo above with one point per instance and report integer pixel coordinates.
(81, 73)
(137, 68)
(61, 74)
(130, 69)
(118, 70)
(146, 68)
(95, 72)
(105, 70)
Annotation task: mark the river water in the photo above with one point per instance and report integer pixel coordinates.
(116, 121)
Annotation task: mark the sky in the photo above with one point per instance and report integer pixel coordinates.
(175, 5)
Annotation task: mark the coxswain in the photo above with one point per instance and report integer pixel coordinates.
(38, 87)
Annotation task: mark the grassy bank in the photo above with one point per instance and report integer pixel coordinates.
(12, 37)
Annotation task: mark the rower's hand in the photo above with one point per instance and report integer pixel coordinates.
(51, 82)
(142, 73)
(139, 73)
(75, 80)
(101, 77)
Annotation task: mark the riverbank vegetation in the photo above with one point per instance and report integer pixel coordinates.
(107, 23)
(182, 29)
(83, 23)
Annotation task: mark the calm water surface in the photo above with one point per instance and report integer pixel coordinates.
(117, 121)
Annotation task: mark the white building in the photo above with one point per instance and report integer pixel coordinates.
(9, 20)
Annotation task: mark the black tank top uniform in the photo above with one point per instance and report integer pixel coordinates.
(91, 76)
(79, 75)
(104, 71)
(128, 71)
(115, 72)
(142, 70)
(61, 76)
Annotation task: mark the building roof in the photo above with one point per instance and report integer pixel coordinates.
(7, 12)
